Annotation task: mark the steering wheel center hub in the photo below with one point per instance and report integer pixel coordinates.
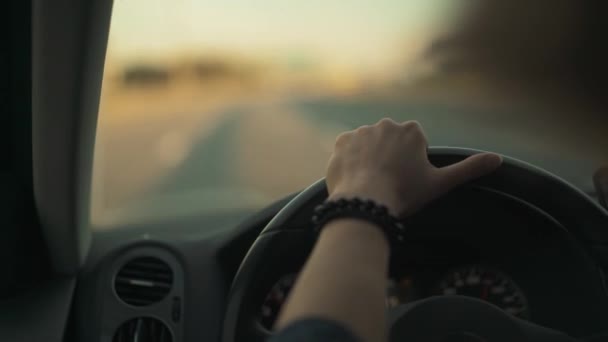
(463, 337)
(453, 319)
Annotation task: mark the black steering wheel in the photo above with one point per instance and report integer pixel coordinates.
(443, 318)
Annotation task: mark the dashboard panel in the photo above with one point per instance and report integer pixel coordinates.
(477, 280)
(469, 228)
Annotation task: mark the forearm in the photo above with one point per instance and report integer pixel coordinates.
(344, 280)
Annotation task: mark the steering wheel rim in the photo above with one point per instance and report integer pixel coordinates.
(584, 219)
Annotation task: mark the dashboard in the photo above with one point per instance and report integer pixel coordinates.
(476, 280)
(473, 242)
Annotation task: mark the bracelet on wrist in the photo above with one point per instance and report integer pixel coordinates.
(357, 208)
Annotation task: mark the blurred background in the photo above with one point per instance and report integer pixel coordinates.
(213, 106)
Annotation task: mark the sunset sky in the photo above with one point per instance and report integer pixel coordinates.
(358, 33)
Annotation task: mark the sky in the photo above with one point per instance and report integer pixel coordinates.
(361, 32)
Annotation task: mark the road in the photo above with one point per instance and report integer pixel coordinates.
(249, 153)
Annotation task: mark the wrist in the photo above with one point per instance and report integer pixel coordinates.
(352, 229)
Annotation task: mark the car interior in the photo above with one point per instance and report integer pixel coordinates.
(536, 242)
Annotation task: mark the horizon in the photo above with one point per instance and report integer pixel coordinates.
(370, 36)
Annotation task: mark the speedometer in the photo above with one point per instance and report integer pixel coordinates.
(486, 284)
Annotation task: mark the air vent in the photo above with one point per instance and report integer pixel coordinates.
(143, 281)
(143, 329)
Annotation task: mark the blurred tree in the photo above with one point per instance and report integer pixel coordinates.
(140, 75)
(543, 42)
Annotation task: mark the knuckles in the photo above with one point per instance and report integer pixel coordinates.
(414, 129)
(412, 125)
(343, 138)
(363, 129)
(385, 127)
(387, 122)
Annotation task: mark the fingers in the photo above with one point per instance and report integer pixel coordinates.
(416, 134)
(467, 170)
(363, 128)
(389, 129)
(343, 138)
(386, 122)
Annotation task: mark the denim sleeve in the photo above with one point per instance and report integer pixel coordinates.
(314, 329)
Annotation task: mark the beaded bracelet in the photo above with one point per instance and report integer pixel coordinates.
(367, 210)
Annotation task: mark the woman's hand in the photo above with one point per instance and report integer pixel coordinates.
(388, 163)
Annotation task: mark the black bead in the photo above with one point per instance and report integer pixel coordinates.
(359, 208)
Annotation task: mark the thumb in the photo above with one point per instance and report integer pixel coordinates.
(467, 170)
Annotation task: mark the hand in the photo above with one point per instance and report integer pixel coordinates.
(388, 163)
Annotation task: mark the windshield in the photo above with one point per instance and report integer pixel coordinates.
(212, 107)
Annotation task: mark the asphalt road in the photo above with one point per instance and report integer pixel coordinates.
(249, 154)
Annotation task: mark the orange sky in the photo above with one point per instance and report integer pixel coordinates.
(360, 34)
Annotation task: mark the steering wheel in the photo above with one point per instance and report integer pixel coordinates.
(441, 318)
